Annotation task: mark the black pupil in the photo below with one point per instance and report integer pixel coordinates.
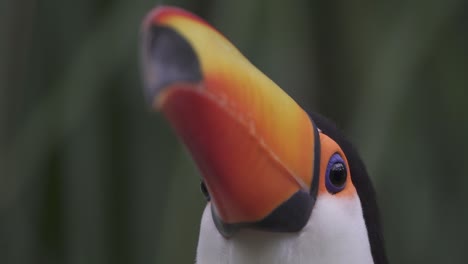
(204, 191)
(338, 174)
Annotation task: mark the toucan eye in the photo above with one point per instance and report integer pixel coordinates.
(205, 192)
(336, 174)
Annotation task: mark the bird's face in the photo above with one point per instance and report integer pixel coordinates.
(335, 231)
(267, 165)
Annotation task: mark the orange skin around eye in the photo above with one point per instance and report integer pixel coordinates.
(328, 148)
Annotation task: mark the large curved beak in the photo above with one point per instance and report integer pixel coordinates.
(253, 144)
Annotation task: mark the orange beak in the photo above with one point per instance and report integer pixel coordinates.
(254, 145)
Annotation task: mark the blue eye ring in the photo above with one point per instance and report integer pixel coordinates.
(336, 174)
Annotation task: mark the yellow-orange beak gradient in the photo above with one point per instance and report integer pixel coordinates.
(253, 144)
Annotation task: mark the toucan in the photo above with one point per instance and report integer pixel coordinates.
(282, 185)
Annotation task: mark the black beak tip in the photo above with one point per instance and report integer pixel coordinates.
(166, 58)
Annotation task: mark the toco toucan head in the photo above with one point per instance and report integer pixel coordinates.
(273, 174)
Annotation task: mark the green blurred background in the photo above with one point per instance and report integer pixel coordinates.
(89, 175)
